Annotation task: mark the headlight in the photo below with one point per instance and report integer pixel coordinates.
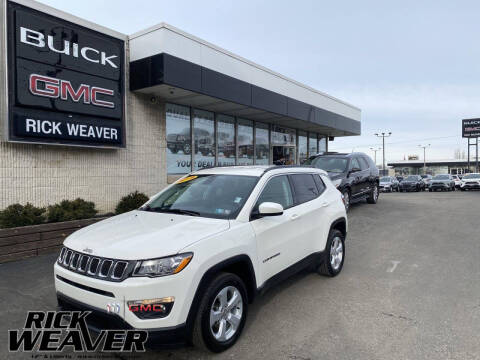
(163, 266)
(337, 182)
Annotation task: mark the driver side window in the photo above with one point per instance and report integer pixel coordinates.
(277, 190)
(354, 164)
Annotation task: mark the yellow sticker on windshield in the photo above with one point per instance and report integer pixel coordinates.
(188, 178)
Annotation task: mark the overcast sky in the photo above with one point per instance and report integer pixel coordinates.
(413, 67)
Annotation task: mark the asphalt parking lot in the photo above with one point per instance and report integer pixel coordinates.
(410, 289)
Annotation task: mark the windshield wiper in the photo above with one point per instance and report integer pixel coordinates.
(177, 211)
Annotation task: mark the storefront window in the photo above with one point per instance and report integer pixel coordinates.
(283, 136)
(262, 147)
(302, 146)
(322, 144)
(179, 146)
(312, 144)
(204, 139)
(245, 142)
(226, 140)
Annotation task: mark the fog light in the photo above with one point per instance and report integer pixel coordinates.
(151, 308)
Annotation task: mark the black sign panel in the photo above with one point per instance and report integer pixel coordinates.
(471, 128)
(66, 82)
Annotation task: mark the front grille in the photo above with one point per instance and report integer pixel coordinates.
(94, 266)
(471, 183)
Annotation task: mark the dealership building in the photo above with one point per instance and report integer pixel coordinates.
(433, 167)
(89, 112)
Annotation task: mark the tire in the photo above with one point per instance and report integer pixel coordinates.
(347, 197)
(187, 149)
(430, 190)
(332, 264)
(462, 189)
(203, 332)
(373, 196)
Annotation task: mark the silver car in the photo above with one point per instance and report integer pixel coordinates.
(443, 182)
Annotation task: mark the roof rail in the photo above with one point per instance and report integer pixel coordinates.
(275, 167)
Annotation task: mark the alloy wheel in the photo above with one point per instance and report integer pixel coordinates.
(226, 313)
(336, 253)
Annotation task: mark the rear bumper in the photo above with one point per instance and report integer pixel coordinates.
(100, 320)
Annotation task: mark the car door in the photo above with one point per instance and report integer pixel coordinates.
(355, 178)
(274, 234)
(309, 210)
(365, 175)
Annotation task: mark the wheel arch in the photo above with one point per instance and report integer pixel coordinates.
(240, 265)
(339, 224)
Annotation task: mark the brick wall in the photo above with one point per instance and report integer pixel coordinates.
(45, 174)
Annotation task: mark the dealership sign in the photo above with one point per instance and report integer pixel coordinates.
(471, 128)
(66, 82)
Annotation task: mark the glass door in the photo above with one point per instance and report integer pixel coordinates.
(283, 155)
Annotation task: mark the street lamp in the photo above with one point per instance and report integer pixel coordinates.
(375, 152)
(383, 135)
(424, 162)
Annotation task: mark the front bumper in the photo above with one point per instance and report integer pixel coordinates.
(100, 294)
(435, 186)
(470, 186)
(99, 320)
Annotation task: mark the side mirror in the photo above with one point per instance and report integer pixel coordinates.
(270, 209)
(353, 170)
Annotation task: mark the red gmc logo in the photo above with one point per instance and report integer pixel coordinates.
(54, 88)
(149, 307)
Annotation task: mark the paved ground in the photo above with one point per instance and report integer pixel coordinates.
(410, 289)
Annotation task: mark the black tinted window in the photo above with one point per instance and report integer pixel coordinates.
(319, 182)
(304, 187)
(277, 190)
(363, 163)
(354, 164)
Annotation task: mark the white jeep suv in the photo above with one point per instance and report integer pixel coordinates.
(186, 264)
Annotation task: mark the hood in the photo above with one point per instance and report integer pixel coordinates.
(335, 175)
(140, 235)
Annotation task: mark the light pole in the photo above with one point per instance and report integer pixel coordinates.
(383, 135)
(375, 152)
(424, 161)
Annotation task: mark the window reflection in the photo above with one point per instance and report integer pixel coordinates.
(204, 140)
(262, 148)
(312, 144)
(302, 147)
(226, 140)
(179, 147)
(245, 142)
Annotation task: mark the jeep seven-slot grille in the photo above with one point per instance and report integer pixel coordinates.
(95, 266)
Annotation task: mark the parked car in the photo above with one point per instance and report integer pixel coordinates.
(470, 182)
(442, 182)
(426, 179)
(355, 175)
(457, 180)
(389, 184)
(187, 264)
(412, 183)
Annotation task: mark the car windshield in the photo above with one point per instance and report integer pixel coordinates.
(471, 176)
(385, 179)
(412, 178)
(330, 164)
(213, 196)
(441, 177)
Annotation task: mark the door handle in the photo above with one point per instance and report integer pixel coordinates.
(294, 216)
(325, 204)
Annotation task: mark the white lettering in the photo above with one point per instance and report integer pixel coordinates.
(114, 134)
(91, 132)
(106, 133)
(66, 46)
(56, 128)
(46, 130)
(31, 37)
(84, 54)
(31, 125)
(99, 131)
(72, 129)
(106, 59)
(83, 130)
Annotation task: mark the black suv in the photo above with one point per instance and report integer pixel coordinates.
(355, 175)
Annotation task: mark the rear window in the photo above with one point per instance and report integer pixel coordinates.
(304, 187)
(329, 163)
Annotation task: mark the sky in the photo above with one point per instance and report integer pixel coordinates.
(411, 66)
